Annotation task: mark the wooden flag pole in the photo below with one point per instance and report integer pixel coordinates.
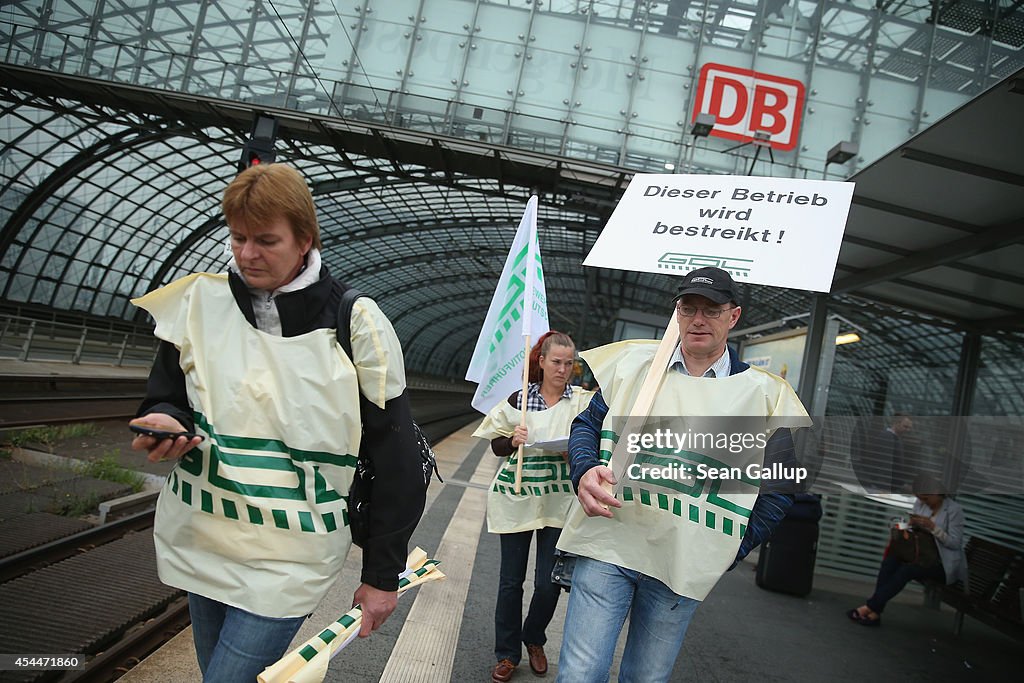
(522, 414)
(621, 457)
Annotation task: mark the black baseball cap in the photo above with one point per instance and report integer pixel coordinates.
(711, 283)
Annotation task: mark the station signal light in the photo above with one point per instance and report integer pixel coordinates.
(259, 149)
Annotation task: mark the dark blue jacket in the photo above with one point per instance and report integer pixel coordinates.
(769, 507)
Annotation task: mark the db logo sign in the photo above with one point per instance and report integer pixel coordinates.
(744, 102)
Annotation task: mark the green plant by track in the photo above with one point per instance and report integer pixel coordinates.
(107, 469)
(76, 506)
(49, 435)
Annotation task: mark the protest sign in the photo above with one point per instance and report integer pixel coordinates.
(771, 231)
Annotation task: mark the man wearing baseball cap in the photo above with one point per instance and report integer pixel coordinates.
(655, 551)
(711, 283)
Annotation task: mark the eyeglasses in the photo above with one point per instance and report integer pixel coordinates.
(710, 313)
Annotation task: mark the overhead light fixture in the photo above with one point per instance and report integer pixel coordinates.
(842, 152)
(762, 137)
(848, 338)
(702, 125)
(670, 167)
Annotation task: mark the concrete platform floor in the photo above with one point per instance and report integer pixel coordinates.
(445, 631)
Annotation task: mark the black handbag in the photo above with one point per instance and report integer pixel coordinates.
(360, 493)
(914, 546)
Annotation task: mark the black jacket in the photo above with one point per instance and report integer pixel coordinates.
(388, 437)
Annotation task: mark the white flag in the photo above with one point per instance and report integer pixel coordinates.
(519, 307)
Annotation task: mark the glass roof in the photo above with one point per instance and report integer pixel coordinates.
(100, 203)
(101, 206)
(893, 36)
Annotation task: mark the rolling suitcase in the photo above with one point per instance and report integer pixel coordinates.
(786, 562)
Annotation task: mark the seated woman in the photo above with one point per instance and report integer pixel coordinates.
(942, 518)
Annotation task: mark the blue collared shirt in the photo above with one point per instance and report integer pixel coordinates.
(720, 368)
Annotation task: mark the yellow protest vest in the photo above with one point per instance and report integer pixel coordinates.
(255, 516)
(683, 532)
(547, 489)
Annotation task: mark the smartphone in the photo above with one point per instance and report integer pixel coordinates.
(161, 433)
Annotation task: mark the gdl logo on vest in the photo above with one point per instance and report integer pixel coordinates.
(744, 102)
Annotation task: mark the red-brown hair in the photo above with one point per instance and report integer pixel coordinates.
(264, 193)
(542, 347)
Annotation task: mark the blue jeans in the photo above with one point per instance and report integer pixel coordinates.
(894, 575)
(602, 595)
(510, 631)
(235, 645)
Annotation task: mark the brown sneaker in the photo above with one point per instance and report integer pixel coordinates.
(503, 671)
(538, 660)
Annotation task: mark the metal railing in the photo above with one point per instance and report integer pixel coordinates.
(28, 338)
(24, 338)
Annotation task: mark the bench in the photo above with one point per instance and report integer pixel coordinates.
(995, 583)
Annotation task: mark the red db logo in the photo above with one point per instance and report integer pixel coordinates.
(744, 102)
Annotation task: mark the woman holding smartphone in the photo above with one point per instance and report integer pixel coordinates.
(940, 520)
(252, 520)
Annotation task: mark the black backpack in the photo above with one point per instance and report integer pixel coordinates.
(361, 492)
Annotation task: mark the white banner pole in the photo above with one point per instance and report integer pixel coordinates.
(621, 457)
(522, 415)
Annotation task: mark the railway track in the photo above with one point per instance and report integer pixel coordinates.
(119, 611)
(70, 400)
(81, 595)
(36, 406)
(54, 411)
(35, 400)
(25, 562)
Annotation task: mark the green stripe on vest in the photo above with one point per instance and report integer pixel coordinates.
(283, 461)
(674, 506)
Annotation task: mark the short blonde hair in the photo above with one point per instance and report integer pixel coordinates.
(264, 193)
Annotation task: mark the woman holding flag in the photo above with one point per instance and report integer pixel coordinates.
(538, 502)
